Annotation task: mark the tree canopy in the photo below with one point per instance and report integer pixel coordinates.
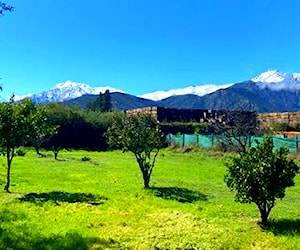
(141, 135)
(15, 129)
(41, 128)
(261, 175)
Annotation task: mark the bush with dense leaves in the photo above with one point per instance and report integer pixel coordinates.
(261, 175)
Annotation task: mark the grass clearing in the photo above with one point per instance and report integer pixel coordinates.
(101, 204)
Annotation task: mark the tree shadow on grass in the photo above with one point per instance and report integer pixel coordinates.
(18, 232)
(284, 227)
(72, 240)
(57, 197)
(182, 195)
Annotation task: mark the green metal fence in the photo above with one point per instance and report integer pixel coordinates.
(209, 141)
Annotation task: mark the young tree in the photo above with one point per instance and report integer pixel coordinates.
(41, 128)
(141, 135)
(15, 124)
(64, 119)
(237, 129)
(261, 176)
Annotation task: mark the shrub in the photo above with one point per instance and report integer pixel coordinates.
(20, 152)
(85, 158)
(261, 176)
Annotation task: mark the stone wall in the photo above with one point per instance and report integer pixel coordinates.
(268, 119)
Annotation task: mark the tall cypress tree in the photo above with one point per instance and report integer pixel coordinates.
(102, 103)
(107, 101)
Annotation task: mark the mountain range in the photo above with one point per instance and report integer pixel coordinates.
(271, 91)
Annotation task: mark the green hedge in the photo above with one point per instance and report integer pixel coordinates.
(185, 128)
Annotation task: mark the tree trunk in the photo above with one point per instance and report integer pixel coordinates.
(55, 155)
(264, 219)
(146, 168)
(9, 156)
(37, 150)
(264, 214)
(146, 178)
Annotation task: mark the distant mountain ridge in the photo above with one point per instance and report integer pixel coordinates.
(242, 96)
(272, 91)
(193, 90)
(119, 101)
(70, 90)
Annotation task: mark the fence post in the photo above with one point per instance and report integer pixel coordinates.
(183, 140)
(297, 144)
(198, 139)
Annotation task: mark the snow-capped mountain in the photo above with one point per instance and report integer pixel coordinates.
(69, 90)
(66, 91)
(195, 90)
(275, 80)
(260, 93)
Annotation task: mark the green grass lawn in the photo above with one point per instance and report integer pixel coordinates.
(101, 204)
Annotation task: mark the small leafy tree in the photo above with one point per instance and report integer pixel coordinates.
(261, 176)
(15, 120)
(141, 135)
(41, 128)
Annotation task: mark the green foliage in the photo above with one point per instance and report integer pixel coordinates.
(283, 126)
(141, 135)
(20, 152)
(77, 128)
(102, 103)
(41, 128)
(185, 128)
(280, 126)
(261, 176)
(15, 129)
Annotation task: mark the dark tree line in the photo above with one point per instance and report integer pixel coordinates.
(77, 129)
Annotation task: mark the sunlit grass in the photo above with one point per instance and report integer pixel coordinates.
(101, 203)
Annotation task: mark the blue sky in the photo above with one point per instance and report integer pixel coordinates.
(142, 46)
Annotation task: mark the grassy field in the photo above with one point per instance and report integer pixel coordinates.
(101, 204)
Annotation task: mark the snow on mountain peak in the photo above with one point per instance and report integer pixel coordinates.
(68, 84)
(275, 80)
(69, 90)
(270, 76)
(195, 90)
(296, 77)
